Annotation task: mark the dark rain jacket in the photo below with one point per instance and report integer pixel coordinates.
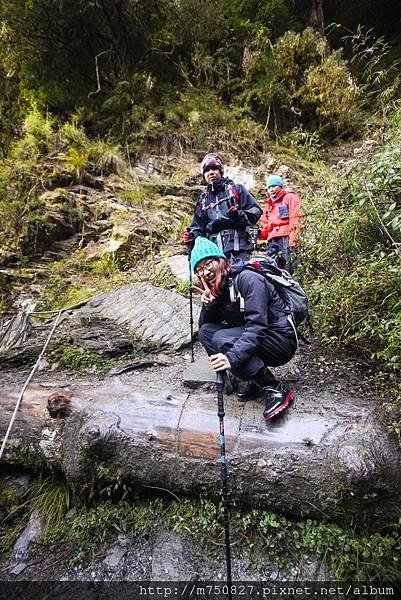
(263, 315)
(211, 218)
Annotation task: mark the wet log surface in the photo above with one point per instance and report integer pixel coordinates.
(326, 457)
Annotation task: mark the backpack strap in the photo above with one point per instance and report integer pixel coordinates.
(312, 335)
(235, 294)
(232, 198)
(294, 327)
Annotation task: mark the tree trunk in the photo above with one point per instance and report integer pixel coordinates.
(316, 17)
(304, 464)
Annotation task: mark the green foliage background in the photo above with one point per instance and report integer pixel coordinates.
(353, 239)
(126, 63)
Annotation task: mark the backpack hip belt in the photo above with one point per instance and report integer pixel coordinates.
(218, 238)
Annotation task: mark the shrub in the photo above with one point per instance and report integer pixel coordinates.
(353, 243)
(300, 75)
(48, 155)
(332, 93)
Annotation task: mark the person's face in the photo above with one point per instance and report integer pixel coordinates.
(211, 174)
(274, 190)
(206, 270)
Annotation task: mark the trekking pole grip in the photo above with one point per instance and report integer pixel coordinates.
(220, 377)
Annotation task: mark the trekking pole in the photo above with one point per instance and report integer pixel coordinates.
(224, 476)
(191, 313)
(254, 232)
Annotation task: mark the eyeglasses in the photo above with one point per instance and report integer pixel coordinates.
(208, 265)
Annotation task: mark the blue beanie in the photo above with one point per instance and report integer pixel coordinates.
(204, 248)
(274, 180)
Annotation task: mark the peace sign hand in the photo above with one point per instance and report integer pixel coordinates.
(206, 295)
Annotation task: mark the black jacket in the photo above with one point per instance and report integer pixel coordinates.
(264, 314)
(211, 218)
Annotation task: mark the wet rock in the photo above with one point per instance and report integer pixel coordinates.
(31, 533)
(20, 355)
(19, 567)
(289, 372)
(198, 373)
(156, 316)
(170, 559)
(241, 175)
(117, 552)
(63, 215)
(95, 333)
(14, 331)
(140, 364)
(13, 485)
(42, 365)
(179, 266)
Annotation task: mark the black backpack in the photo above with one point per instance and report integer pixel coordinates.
(289, 290)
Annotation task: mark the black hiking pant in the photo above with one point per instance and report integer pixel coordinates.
(276, 348)
(285, 256)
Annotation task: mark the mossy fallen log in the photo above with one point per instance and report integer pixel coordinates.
(332, 465)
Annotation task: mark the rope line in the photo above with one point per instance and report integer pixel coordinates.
(27, 383)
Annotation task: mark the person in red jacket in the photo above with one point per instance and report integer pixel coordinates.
(281, 223)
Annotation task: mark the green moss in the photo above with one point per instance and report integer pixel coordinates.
(106, 265)
(8, 495)
(23, 454)
(69, 356)
(60, 293)
(92, 530)
(50, 496)
(134, 196)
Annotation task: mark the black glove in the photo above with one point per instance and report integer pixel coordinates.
(237, 215)
(219, 225)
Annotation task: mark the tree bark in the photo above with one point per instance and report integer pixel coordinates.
(305, 464)
(316, 17)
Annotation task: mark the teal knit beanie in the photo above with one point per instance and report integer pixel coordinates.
(274, 180)
(204, 248)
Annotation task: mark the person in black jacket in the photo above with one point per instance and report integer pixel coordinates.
(248, 336)
(223, 212)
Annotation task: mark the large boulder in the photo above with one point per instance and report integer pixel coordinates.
(156, 316)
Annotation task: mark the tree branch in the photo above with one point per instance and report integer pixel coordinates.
(97, 71)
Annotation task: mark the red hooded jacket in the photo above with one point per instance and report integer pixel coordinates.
(282, 217)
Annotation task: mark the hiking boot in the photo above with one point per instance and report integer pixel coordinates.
(248, 392)
(277, 399)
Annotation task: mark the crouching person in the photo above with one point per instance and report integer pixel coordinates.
(247, 335)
